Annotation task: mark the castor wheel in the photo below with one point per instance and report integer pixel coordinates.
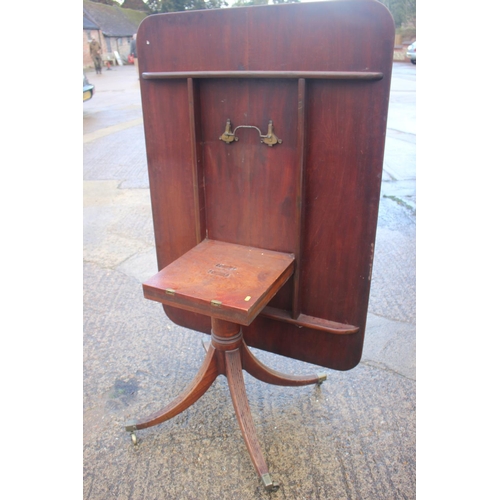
(269, 484)
(130, 427)
(321, 378)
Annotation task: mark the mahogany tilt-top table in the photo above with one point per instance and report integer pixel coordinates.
(265, 130)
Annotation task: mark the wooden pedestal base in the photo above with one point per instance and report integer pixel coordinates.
(228, 355)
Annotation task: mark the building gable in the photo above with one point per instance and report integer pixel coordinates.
(113, 21)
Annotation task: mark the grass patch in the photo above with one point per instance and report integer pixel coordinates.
(401, 202)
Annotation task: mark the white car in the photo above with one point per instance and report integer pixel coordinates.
(412, 52)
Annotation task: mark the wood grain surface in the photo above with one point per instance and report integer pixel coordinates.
(315, 195)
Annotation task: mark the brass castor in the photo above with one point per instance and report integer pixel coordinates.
(130, 427)
(269, 484)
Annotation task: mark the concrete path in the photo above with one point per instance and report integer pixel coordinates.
(352, 438)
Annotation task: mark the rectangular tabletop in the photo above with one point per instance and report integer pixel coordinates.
(222, 280)
(318, 74)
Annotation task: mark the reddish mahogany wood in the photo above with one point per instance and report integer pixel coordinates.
(236, 385)
(222, 280)
(196, 164)
(247, 192)
(322, 75)
(299, 195)
(234, 221)
(206, 375)
(228, 355)
(303, 320)
(265, 374)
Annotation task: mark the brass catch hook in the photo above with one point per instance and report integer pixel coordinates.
(228, 136)
(270, 138)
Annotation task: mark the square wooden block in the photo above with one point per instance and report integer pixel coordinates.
(222, 280)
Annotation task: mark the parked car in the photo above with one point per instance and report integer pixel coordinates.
(412, 52)
(88, 89)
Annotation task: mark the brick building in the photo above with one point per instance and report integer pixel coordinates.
(112, 26)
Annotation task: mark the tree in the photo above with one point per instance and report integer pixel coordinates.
(157, 6)
(246, 3)
(404, 12)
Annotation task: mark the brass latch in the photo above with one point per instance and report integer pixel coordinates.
(270, 138)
